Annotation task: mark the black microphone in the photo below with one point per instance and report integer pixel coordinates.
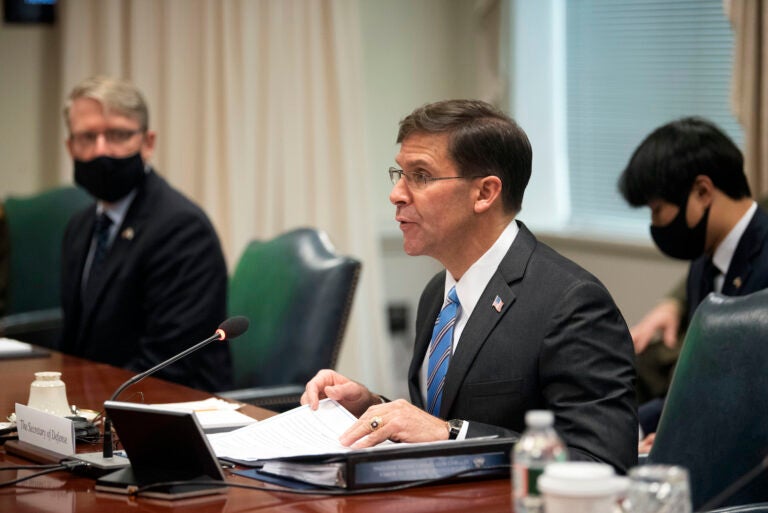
(229, 329)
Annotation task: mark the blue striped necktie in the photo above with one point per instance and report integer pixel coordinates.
(440, 349)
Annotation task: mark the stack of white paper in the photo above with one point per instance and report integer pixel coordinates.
(214, 414)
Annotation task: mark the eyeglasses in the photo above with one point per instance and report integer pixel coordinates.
(420, 180)
(113, 136)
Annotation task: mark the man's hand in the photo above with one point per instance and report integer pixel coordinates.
(399, 421)
(351, 395)
(665, 317)
(644, 446)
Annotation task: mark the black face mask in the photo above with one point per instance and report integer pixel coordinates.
(110, 178)
(677, 240)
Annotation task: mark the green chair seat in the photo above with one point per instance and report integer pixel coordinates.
(297, 294)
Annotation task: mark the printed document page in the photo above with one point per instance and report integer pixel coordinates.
(300, 431)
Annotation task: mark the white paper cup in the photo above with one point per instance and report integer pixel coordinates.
(581, 487)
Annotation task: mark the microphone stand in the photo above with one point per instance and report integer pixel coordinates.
(108, 449)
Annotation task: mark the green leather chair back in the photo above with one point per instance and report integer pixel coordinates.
(297, 294)
(715, 419)
(35, 230)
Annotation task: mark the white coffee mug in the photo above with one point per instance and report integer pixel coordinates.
(581, 487)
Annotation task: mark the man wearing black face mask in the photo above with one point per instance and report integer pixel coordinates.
(143, 274)
(691, 176)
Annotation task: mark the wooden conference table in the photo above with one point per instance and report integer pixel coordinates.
(89, 384)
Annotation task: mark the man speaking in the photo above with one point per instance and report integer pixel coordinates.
(509, 325)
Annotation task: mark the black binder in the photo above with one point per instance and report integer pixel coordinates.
(398, 463)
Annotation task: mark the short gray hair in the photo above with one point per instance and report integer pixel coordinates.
(114, 94)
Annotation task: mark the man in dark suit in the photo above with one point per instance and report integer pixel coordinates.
(691, 175)
(143, 274)
(510, 325)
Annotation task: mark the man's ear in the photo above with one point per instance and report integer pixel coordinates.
(488, 192)
(704, 188)
(148, 145)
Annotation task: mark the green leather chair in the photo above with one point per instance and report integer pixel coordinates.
(35, 227)
(297, 294)
(715, 419)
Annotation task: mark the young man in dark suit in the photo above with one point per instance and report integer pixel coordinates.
(691, 175)
(143, 274)
(519, 327)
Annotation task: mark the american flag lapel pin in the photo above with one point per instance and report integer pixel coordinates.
(497, 304)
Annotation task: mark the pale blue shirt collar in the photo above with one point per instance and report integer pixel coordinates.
(724, 252)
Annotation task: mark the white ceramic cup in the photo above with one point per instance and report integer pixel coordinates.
(49, 394)
(581, 487)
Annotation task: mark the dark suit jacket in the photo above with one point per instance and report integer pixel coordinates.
(162, 289)
(558, 343)
(748, 271)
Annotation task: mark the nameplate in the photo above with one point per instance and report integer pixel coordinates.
(44, 430)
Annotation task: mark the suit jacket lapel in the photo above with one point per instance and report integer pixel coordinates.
(74, 259)
(79, 252)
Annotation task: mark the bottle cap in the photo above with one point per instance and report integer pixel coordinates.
(539, 418)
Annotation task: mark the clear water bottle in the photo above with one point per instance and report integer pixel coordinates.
(538, 445)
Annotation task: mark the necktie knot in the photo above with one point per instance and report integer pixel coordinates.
(103, 222)
(708, 276)
(452, 296)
